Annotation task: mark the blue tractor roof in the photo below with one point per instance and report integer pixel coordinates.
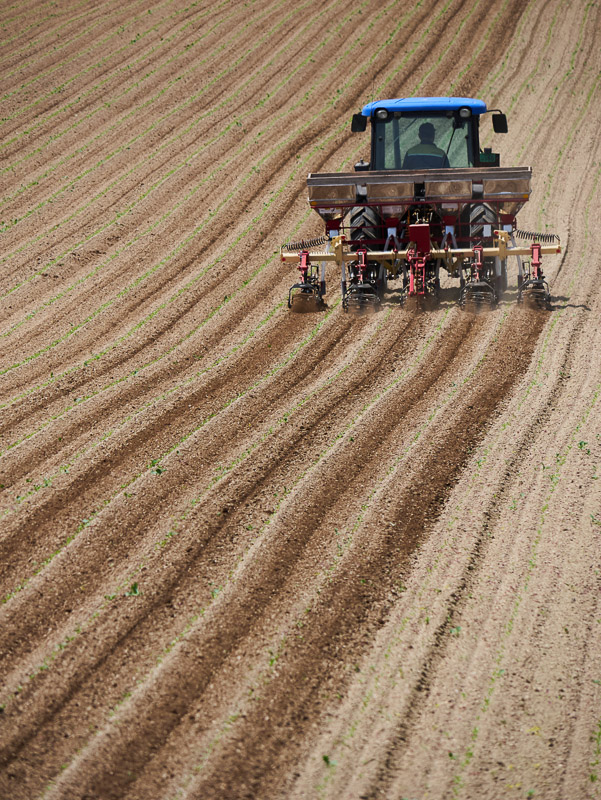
(426, 104)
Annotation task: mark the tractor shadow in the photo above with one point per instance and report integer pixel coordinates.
(447, 298)
(559, 303)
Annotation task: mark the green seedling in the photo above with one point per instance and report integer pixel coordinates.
(156, 468)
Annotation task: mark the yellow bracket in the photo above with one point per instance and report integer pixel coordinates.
(450, 257)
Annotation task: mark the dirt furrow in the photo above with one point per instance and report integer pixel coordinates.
(79, 44)
(375, 557)
(47, 106)
(149, 116)
(248, 553)
(53, 148)
(80, 55)
(303, 438)
(25, 33)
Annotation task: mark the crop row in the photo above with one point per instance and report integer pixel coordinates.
(125, 51)
(551, 105)
(48, 30)
(103, 43)
(132, 112)
(63, 44)
(98, 92)
(143, 162)
(248, 228)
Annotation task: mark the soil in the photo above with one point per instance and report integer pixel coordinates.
(250, 553)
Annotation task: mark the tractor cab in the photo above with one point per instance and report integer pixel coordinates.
(426, 133)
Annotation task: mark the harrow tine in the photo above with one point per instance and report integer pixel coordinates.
(304, 297)
(547, 238)
(536, 293)
(305, 244)
(476, 295)
(360, 297)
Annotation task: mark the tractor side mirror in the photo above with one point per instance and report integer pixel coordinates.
(359, 123)
(499, 123)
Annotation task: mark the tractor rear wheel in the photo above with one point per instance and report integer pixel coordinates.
(478, 215)
(366, 227)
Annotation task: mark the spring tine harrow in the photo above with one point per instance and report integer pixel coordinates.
(304, 244)
(533, 236)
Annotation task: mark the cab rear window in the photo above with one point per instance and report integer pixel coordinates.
(413, 140)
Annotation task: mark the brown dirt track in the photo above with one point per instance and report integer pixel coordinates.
(365, 550)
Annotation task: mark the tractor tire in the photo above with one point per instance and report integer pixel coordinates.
(478, 215)
(382, 282)
(366, 227)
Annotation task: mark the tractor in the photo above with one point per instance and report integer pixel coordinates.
(429, 198)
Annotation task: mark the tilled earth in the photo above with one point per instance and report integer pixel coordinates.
(248, 553)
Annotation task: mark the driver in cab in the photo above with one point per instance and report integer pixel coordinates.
(425, 155)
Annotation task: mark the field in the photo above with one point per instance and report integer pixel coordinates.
(247, 553)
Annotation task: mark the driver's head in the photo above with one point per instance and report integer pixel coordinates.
(426, 132)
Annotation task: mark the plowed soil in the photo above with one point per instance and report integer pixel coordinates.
(247, 553)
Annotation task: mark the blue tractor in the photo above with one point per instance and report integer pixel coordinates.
(429, 198)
